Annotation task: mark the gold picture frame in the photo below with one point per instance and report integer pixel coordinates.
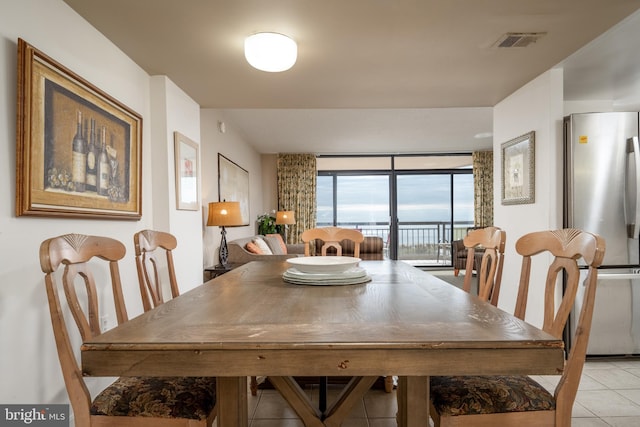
(187, 167)
(78, 150)
(233, 185)
(518, 170)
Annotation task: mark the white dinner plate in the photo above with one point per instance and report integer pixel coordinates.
(323, 264)
(353, 276)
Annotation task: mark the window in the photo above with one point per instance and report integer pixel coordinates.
(417, 212)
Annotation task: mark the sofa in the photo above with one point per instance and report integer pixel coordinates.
(371, 249)
(239, 254)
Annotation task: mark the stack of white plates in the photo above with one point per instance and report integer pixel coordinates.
(325, 271)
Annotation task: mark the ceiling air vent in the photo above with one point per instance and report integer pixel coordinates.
(518, 39)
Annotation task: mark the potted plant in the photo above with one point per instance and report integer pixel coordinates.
(267, 224)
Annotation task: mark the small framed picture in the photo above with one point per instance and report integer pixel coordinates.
(518, 170)
(187, 164)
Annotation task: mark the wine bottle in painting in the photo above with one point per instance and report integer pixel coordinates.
(92, 159)
(78, 158)
(104, 167)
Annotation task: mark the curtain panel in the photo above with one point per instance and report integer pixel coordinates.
(297, 191)
(483, 188)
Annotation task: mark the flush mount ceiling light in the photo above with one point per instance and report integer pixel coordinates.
(482, 135)
(270, 52)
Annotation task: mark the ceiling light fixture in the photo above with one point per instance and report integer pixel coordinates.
(482, 135)
(270, 52)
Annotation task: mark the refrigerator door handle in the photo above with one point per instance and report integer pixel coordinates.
(633, 275)
(632, 185)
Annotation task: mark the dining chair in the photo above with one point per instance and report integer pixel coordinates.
(147, 244)
(129, 401)
(331, 238)
(519, 400)
(491, 241)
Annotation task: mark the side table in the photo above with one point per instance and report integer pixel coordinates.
(217, 270)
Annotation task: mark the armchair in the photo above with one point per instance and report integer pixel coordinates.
(459, 255)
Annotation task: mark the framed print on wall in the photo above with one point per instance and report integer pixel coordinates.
(518, 170)
(187, 161)
(78, 150)
(233, 185)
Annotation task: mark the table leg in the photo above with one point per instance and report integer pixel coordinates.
(413, 402)
(349, 396)
(231, 398)
(298, 400)
(323, 390)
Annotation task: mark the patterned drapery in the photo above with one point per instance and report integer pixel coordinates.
(483, 188)
(297, 191)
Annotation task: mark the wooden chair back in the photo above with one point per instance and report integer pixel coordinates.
(566, 246)
(332, 236)
(74, 251)
(147, 244)
(492, 240)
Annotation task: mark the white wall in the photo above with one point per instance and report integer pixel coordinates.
(28, 360)
(536, 106)
(269, 183)
(29, 365)
(174, 111)
(574, 107)
(232, 145)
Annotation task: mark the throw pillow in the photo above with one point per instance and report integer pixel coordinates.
(274, 244)
(263, 246)
(280, 241)
(253, 248)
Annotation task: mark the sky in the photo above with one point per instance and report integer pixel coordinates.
(421, 198)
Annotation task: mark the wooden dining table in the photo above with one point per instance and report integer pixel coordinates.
(250, 322)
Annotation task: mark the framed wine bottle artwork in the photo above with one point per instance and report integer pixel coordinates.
(78, 150)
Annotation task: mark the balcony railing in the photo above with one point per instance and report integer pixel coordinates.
(421, 243)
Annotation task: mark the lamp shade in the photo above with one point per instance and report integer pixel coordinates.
(270, 52)
(285, 217)
(224, 214)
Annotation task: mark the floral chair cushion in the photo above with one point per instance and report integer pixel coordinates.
(161, 397)
(473, 395)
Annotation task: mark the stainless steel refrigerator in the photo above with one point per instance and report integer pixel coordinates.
(601, 184)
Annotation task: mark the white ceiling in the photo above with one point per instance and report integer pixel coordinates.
(373, 76)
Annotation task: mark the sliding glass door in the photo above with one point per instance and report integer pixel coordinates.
(416, 212)
(433, 209)
(424, 217)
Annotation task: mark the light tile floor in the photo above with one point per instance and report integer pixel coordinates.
(609, 395)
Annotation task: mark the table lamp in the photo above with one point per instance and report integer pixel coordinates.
(285, 218)
(224, 214)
